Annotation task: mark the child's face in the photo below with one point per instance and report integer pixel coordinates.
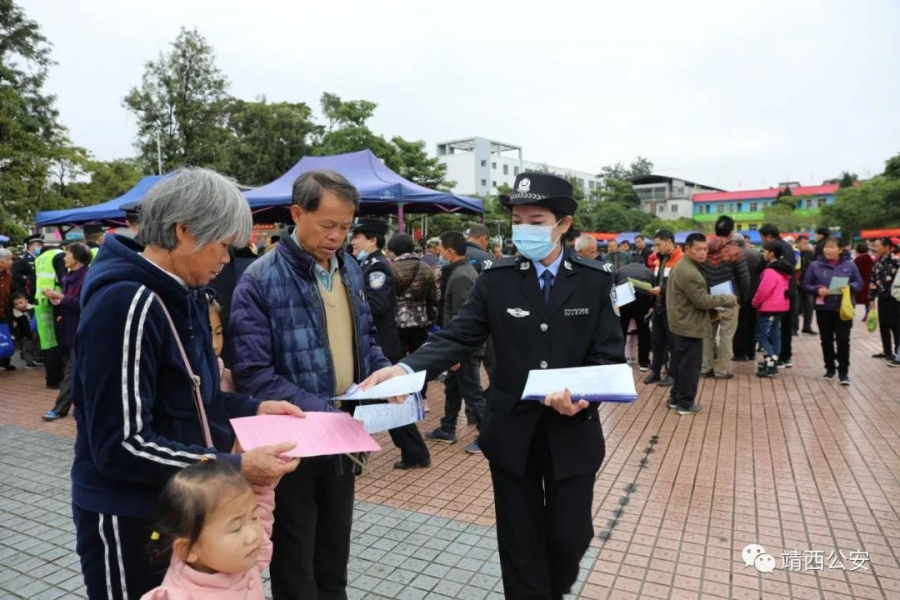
(215, 325)
(21, 304)
(768, 255)
(231, 538)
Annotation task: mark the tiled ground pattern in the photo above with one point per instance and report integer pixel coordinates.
(792, 463)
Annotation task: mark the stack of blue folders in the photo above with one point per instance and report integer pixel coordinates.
(604, 383)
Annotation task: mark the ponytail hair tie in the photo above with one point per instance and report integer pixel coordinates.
(154, 535)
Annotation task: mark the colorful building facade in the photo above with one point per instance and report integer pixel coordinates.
(746, 207)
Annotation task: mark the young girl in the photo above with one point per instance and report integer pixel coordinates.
(226, 383)
(217, 529)
(771, 304)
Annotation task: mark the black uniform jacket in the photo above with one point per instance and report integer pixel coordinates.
(579, 327)
(380, 286)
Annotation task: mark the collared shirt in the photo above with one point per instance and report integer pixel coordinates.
(553, 268)
(325, 277)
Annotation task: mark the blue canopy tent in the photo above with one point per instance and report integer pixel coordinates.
(381, 190)
(627, 236)
(681, 236)
(107, 212)
(751, 235)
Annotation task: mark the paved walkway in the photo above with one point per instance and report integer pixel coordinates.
(806, 469)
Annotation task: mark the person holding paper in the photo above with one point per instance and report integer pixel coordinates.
(833, 331)
(303, 332)
(549, 308)
(638, 310)
(668, 255)
(883, 274)
(689, 305)
(725, 264)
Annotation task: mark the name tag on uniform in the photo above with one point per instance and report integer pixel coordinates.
(576, 312)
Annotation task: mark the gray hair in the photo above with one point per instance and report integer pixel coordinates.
(208, 204)
(309, 188)
(585, 242)
(4, 254)
(477, 230)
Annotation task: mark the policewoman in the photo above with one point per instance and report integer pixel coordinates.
(368, 239)
(546, 309)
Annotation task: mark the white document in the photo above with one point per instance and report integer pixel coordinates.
(612, 383)
(624, 294)
(381, 417)
(722, 289)
(398, 386)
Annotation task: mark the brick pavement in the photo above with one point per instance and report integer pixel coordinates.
(793, 463)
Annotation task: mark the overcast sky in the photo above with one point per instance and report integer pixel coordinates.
(737, 95)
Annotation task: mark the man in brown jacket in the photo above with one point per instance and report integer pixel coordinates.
(690, 308)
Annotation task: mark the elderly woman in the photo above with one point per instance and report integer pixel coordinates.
(146, 381)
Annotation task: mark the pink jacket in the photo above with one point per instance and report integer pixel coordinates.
(770, 296)
(182, 582)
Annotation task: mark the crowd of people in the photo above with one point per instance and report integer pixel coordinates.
(158, 338)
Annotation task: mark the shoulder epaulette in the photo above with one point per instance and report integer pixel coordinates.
(592, 264)
(496, 264)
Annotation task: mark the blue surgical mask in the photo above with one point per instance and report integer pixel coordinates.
(443, 262)
(361, 256)
(534, 242)
(37, 251)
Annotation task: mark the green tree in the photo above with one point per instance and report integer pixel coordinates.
(411, 161)
(892, 167)
(106, 180)
(846, 179)
(181, 102)
(31, 136)
(617, 190)
(873, 204)
(266, 139)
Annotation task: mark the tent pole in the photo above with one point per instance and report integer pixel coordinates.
(400, 224)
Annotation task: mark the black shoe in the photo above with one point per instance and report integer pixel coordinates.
(708, 375)
(881, 355)
(405, 466)
(9, 367)
(31, 365)
(809, 331)
(725, 376)
(693, 410)
(666, 382)
(845, 380)
(829, 375)
(671, 403)
(652, 378)
(643, 367)
(787, 364)
(53, 386)
(894, 363)
(763, 371)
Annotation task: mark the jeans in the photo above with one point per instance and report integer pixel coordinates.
(465, 382)
(768, 333)
(833, 329)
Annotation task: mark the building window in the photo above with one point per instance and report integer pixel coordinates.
(752, 226)
(494, 166)
(661, 209)
(483, 182)
(737, 207)
(506, 169)
(821, 202)
(674, 208)
(515, 170)
(720, 208)
(754, 206)
(484, 163)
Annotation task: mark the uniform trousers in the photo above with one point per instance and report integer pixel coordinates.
(687, 356)
(115, 556)
(544, 526)
(311, 534)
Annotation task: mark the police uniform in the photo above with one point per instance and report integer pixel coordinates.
(382, 298)
(543, 464)
(24, 278)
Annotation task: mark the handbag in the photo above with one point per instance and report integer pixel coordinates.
(195, 381)
(872, 320)
(7, 346)
(847, 310)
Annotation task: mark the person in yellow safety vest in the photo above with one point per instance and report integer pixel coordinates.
(93, 237)
(46, 279)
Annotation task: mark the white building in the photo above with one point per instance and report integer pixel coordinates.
(479, 166)
(668, 197)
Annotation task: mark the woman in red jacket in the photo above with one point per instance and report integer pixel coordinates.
(865, 263)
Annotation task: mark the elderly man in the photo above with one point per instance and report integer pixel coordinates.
(586, 246)
(477, 240)
(303, 332)
(145, 380)
(432, 256)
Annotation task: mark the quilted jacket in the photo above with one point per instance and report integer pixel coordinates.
(417, 292)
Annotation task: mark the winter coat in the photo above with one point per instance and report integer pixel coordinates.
(770, 297)
(137, 422)
(279, 336)
(6, 281)
(688, 301)
(70, 307)
(183, 582)
(725, 262)
(477, 257)
(819, 275)
(662, 269)
(881, 277)
(865, 263)
(416, 290)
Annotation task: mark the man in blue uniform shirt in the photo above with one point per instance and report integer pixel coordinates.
(548, 308)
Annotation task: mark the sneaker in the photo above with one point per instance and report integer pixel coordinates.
(652, 378)
(809, 331)
(788, 364)
(473, 448)
(708, 375)
(845, 380)
(52, 386)
(829, 376)
(52, 415)
(671, 403)
(31, 365)
(666, 382)
(763, 370)
(644, 367)
(780, 364)
(405, 466)
(693, 410)
(894, 363)
(439, 435)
